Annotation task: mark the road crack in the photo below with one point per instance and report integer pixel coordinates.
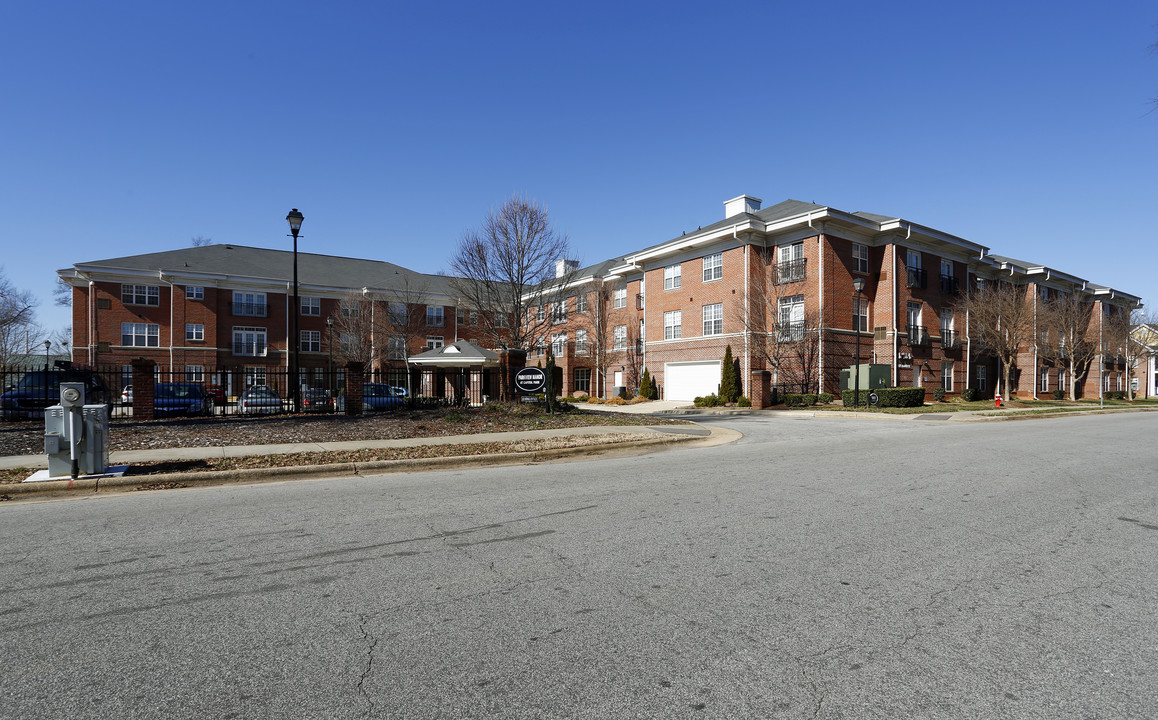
(373, 644)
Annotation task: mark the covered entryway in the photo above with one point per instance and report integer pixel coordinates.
(686, 381)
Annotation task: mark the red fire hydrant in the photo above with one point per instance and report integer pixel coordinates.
(997, 400)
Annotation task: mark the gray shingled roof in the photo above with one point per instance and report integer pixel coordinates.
(263, 263)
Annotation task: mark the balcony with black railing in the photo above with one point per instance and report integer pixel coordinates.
(950, 340)
(790, 332)
(915, 277)
(247, 309)
(949, 285)
(639, 301)
(790, 271)
(918, 335)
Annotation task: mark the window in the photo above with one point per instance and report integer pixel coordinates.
(914, 272)
(620, 298)
(195, 373)
(474, 317)
(620, 337)
(194, 332)
(947, 375)
(140, 334)
(982, 378)
(1061, 379)
(140, 295)
(913, 259)
(349, 308)
(672, 277)
(194, 292)
(460, 316)
(311, 341)
(713, 267)
(347, 344)
(396, 347)
(948, 280)
(673, 324)
(947, 268)
(249, 304)
(249, 341)
(396, 314)
(915, 329)
(255, 376)
(791, 324)
(860, 257)
(502, 320)
(581, 303)
(581, 342)
(434, 316)
(714, 319)
(311, 306)
(559, 311)
(860, 314)
(539, 313)
(948, 337)
(791, 265)
(559, 344)
(433, 342)
(1045, 379)
(582, 380)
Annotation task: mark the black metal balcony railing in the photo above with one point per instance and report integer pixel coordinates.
(639, 347)
(790, 271)
(949, 285)
(249, 309)
(916, 277)
(790, 332)
(949, 339)
(918, 335)
(638, 301)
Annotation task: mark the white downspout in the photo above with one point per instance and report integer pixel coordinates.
(747, 325)
(893, 249)
(91, 343)
(820, 323)
(172, 306)
(1036, 340)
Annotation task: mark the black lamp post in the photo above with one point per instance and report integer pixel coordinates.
(858, 285)
(330, 346)
(47, 344)
(295, 222)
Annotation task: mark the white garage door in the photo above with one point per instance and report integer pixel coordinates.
(687, 381)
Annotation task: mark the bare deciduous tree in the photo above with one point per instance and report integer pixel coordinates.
(200, 241)
(1065, 336)
(17, 317)
(1120, 340)
(507, 270)
(354, 328)
(403, 323)
(1000, 322)
(783, 336)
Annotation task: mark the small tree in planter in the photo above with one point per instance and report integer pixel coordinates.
(729, 378)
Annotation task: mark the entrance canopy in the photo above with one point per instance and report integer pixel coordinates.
(458, 354)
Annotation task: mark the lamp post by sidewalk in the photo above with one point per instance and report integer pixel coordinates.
(47, 345)
(294, 218)
(330, 346)
(858, 285)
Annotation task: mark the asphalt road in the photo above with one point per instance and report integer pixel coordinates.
(817, 568)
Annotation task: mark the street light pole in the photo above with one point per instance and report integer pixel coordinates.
(858, 285)
(47, 345)
(330, 346)
(294, 218)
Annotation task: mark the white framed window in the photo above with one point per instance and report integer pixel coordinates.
(620, 298)
(947, 268)
(434, 316)
(540, 313)
(791, 265)
(673, 321)
(194, 292)
(620, 337)
(433, 342)
(1045, 379)
(396, 347)
(460, 316)
(559, 344)
(1061, 379)
(946, 321)
(474, 317)
(714, 319)
(249, 304)
(913, 310)
(255, 376)
(947, 375)
(860, 256)
(580, 342)
(582, 380)
(502, 320)
(311, 306)
(559, 311)
(672, 277)
(791, 318)
(713, 266)
(140, 334)
(195, 373)
(396, 314)
(348, 308)
(249, 341)
(311, 341)
(140, 295)
(982, 378)
(194, 332)
(347, 343)
(581, 303)
(912, 259)
(860, 314)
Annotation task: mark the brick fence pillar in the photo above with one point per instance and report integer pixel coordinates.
(355, 376)
(143, 374)
(760, 389)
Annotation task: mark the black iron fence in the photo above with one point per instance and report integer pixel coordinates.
(28, 389)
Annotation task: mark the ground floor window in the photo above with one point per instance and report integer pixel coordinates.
(255, 376)
(583, 380)
(194, 373)
(982, 378)
(1045, 379)
(947, 376)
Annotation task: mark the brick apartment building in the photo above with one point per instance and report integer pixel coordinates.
(785, 272)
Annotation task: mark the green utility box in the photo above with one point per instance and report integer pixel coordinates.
(872, 376)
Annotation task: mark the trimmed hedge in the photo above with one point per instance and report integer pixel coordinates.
(708, 401)
(1059, 394)
(969, 394)
(744, 402)
(890, 397)
(938, 394)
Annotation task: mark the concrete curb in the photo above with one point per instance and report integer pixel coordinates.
(716, 436)
(954, 415)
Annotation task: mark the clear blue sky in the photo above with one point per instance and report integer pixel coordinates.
(133, 127)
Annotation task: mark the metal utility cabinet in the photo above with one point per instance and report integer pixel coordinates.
(92, 436)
